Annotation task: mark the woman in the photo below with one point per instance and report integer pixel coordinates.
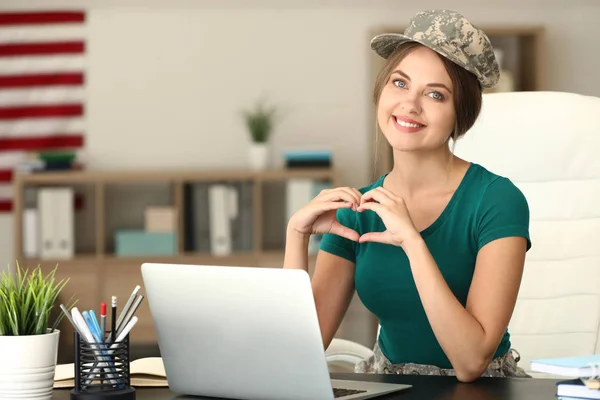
(434, 248)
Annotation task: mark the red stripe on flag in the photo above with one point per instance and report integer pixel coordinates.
(6, 175)
(65, 110)
(55, 79)
(32, 143)
(5, 205)
(20, 49)
(78, 203)
(48, 17)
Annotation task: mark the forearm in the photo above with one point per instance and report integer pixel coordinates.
(296, 250)
(459, 333)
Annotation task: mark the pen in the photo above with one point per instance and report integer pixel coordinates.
(103, 320)
(80, 321)
(125, 331)
(113, 321)
(87, 317)
(125, 308)
(96, 326)
(70, 318)
(130, 313)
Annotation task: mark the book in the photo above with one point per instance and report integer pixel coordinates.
(576, 388)
(149, 371)
(577, 367)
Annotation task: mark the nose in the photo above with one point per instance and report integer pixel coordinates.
(410, 103)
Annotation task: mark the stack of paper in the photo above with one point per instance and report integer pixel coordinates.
(585, 370)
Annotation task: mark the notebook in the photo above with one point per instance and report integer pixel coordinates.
(148, 371)
(576, 388)
(577, 367)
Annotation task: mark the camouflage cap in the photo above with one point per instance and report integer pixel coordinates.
(451, 35)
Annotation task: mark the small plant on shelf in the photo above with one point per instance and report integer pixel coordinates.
(259, 123)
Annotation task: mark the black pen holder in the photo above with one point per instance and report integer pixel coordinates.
(102, 370)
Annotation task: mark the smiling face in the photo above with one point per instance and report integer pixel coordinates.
(416, 109)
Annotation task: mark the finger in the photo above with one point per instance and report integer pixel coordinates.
(376, 207)
(320, 208)
(344, 231)
(355, 194)
(380, 237)
(339, 195)
(375, 195)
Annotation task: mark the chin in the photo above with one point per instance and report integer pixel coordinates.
(406, 144)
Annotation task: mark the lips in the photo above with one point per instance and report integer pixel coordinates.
(408, 123)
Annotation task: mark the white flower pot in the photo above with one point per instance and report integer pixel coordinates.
(27, 366)
(258, 156)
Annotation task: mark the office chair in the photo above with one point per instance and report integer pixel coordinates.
(548, 144)
(342, 355)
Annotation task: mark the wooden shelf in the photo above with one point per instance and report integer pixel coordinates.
(91, 177)
(97, 273)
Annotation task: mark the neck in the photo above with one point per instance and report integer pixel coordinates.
(418, 173)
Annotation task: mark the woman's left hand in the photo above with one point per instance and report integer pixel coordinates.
(394, 214)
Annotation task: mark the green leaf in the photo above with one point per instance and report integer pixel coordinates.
(26, 300)
(260, 121)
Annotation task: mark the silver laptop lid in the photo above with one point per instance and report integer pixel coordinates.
(237, 332)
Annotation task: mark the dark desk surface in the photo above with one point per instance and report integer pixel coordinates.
(424, 387)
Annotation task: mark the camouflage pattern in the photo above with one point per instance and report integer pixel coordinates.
(501, 367)
(451, 35)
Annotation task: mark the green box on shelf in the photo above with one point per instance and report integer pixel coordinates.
(142, 243)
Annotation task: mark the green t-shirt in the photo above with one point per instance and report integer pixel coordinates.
(484, 207)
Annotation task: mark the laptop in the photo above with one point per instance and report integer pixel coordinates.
(243, 333)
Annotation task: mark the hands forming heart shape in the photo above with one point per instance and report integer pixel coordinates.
(319, 215)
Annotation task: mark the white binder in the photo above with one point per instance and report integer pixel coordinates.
(56, 222)
(220, 200)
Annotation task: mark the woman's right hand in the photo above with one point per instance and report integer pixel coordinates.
(318, 216)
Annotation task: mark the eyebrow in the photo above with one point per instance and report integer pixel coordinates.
(440, 85)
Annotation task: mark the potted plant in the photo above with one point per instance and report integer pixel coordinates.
(259, 122)
(28, 343)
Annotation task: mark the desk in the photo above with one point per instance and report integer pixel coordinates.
(424, 387)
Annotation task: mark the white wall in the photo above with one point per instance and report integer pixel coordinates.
(180, 71)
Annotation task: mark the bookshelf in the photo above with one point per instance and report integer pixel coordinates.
(523, 50)
(96, 271)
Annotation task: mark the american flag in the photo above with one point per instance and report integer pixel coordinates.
(42, 65)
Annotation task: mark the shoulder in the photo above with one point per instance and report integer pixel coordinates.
(502, 208)
(498, 190)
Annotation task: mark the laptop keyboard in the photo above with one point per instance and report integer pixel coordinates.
(338, 392)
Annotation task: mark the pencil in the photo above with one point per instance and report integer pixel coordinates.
(103, 320)
(130, 313)
(70, 318)
(113, 320)
(125, 308)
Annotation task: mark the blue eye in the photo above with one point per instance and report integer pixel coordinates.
(436, 96)
(400, 83)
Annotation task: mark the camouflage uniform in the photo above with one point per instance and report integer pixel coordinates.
(501, 367)
(452, 36)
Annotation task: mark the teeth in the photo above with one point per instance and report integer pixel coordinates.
(407, 124)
